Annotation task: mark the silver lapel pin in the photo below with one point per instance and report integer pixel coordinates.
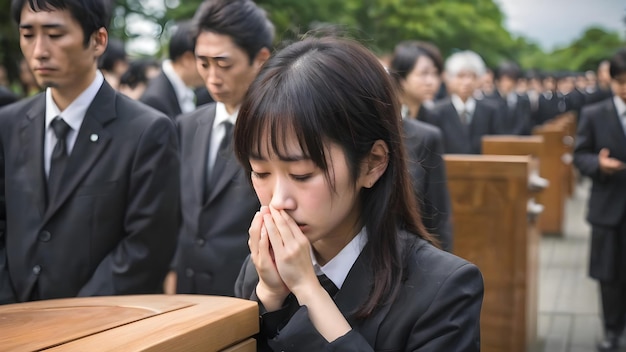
(94, 137)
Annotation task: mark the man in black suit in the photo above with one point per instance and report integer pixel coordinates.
(602, 84)
(462, 119)
(513, 109)
(91, 177)
(218, 203)
(600, 153)
(172, 91)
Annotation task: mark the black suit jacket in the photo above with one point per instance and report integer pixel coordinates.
(458, 138)
(512, 120)
(160, 94)
(111, 228)
(213, 240)
(424, 146)
(598, 95)
(550, 105)
(437, 307)
(599, 128)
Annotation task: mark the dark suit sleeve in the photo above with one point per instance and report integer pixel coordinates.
(585, 154)
(436, 209)
(452, 321)
(140, 261)
(159, 104)
(6, 288)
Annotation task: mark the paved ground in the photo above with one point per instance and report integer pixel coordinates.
(569, 306)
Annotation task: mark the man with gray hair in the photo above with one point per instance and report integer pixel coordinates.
(462, 119)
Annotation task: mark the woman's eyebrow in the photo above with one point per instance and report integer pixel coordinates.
(286, 158)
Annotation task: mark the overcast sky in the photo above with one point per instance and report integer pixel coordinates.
(558, 22)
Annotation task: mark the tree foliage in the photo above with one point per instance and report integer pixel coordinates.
(9, 41)
(584, 53)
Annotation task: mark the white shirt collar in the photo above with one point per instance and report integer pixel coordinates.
(185, 95)
(337, 269)
(469, 105)
(620, 106)
(74, 114)
(219, 131)
(222, 115)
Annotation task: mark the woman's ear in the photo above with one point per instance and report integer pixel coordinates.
(375, 164)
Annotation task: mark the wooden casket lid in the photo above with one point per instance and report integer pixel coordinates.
(128, 323)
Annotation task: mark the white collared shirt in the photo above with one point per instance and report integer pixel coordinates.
(218, 131)
(73, 115)
(469, 106)
(511, 100)
(620, 106)
(337, 269)
(184, 95)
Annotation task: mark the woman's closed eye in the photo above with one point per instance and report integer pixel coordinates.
(301, 178)
(259, 175)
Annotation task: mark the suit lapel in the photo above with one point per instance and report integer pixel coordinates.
(200, 144)
(461, 130)
(355, 290)
(230, 170)
(91, 142)
(616, 129)
(31, 132)
(476, 119)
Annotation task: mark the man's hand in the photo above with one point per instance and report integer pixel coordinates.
(607, 164)
(169, 285)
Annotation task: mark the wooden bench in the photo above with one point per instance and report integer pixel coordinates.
(522, 145)
(489, 196)
(556, 166)
(568, 121)
(152, 323)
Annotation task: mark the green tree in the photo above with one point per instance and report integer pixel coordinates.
(583, 53)
(10, 53)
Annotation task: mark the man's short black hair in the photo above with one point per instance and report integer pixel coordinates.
(617, 63)
(508, 69)
(91, 14)
(182, 40)
(242, 20)
(114, 53)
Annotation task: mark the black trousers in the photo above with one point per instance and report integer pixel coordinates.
(613, 292)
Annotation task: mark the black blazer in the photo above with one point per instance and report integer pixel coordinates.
(112, 227)
(424, 146)
(213, 240)
(599, 128)
(160, 94)
(550, 105)
(512, 120)
(460, 139)
(437, 307)
(598, 95)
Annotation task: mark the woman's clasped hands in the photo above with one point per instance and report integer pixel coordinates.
(281, 254)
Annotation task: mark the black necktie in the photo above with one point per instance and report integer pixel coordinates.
(223, 152)
(328, 285)
(464, 117)
(58, 160)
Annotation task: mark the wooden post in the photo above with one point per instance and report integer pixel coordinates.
(489, 196)
(555, 166)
